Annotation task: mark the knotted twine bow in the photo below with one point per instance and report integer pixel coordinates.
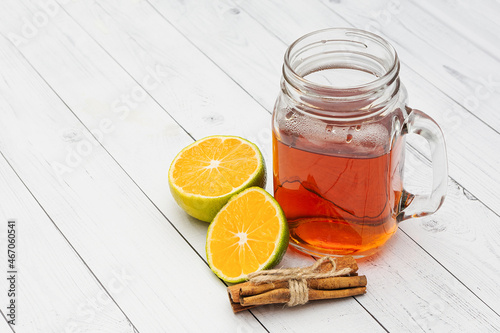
(297, 278)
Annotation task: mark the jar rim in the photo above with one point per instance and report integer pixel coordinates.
(389, 75)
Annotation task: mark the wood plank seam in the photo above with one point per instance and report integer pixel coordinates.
(413, 147)
(202, 52)
(7, 321)
(99, 282)
(91, 134)
(461, 78)
(471, 40)
(246, 91)
(119, 165)
(402, 62)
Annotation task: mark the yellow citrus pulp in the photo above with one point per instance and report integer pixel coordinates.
(250, 233)
(207, 173)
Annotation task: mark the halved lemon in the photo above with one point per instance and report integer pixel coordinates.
(249, 234)
(208, 172)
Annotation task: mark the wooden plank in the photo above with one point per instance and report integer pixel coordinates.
(477, 22)
(454, 315)
(56, 291)
(440, 53)
(410, 293)
(220, 30)
(298, 18)
(153, 138)
(464, 150)
(107, 219)
(4, 327)
(462, 236)
(402, 263)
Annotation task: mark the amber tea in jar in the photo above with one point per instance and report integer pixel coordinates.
(339, 128)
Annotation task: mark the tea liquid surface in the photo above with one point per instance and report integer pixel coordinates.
(338, 205)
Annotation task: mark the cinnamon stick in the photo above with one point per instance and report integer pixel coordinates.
(237, 307)
(338, 282)
(282, 295)
(341, 263)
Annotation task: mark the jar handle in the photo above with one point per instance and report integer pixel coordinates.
(416, 205)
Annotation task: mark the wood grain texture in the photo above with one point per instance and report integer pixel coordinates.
(465, 153)
(146, 79)
(56, 292)
(451, 61)
(4, 327)
(477, 22)
(461, 134)
(462, 236)
(288, 23)
(460, 127)
(151, 118)
(230, 37)
(103, 214)
(398, 271)
(122, 55)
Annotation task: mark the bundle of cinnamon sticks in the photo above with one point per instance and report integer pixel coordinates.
(249, 294)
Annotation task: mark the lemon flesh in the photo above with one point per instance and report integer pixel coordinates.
(207, 173)
(249, 234)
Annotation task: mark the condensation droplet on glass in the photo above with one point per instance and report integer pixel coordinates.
(329, 128)
(289, 115)
(349, 138)
(358, 127)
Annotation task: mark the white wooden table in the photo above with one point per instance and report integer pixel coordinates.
(97, 97)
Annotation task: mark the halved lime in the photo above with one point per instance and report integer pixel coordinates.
(208, 172)
(249, 234)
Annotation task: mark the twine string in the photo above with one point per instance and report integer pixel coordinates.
(297, 278)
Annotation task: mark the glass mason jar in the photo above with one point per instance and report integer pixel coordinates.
(339, 127)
